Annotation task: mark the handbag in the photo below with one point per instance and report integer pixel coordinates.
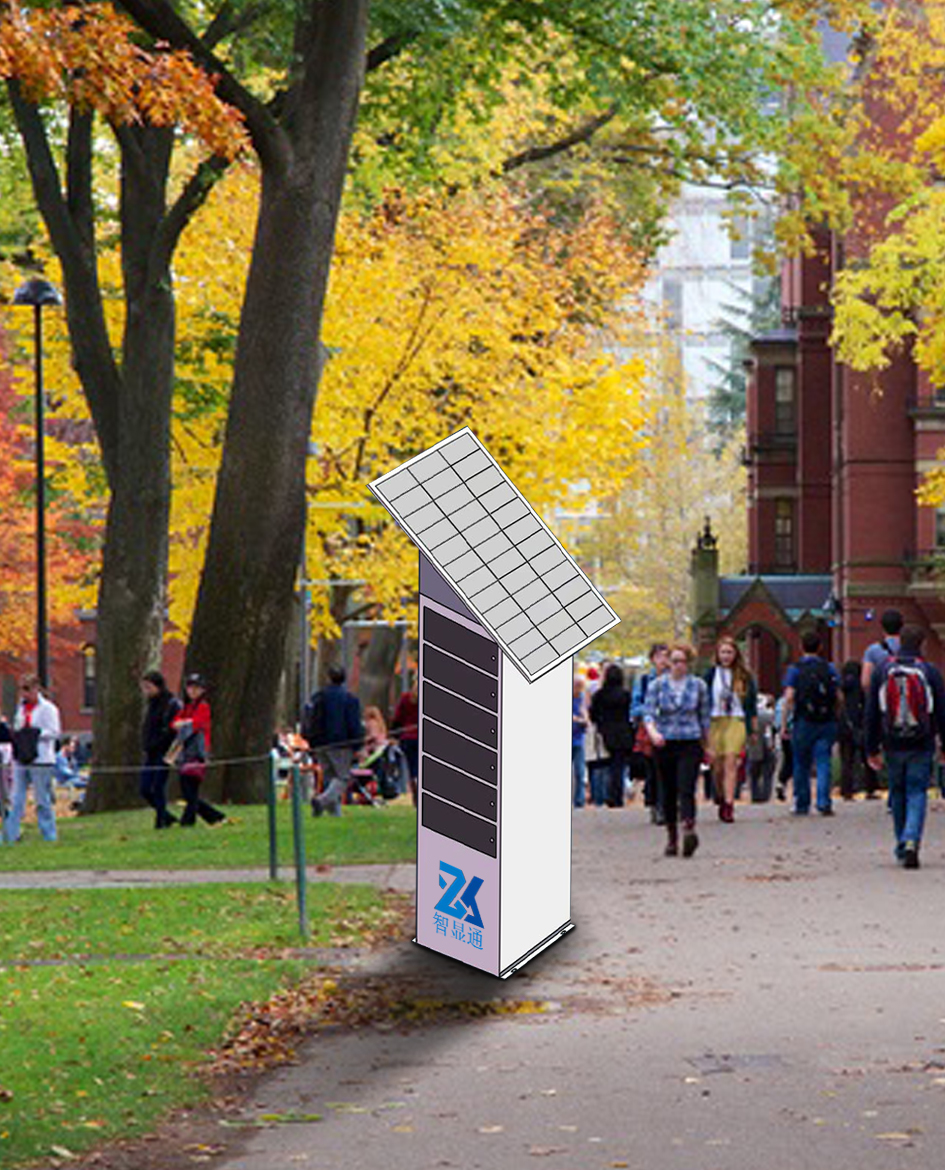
(26, 744)
(642, 742)
(173, 753)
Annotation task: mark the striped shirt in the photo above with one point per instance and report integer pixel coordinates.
(678, 715)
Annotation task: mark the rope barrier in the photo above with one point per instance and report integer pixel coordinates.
(284, 761)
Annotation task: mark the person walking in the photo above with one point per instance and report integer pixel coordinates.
(811, 690)
(191, 726)
(6, 767)
(659, 664)
(677, 721)
(905, 714)
(610, 711)
(876, 653)
(854, 768)
(580, 718)
(157, 735)
(733, 709)
(36, 728)
(333, 730)
(783, 730)
(406, 722)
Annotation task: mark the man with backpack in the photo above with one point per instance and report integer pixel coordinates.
(811, 687)
(905, 712)
(879, 652)
(332, 727)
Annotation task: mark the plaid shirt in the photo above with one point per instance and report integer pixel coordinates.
(682, 717)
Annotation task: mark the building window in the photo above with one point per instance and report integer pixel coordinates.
(784, 534)
(673, 302)
(88, 678)
(785, 414)
(940, 529)
(740, 242)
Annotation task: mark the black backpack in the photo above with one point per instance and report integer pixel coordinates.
(815, 695)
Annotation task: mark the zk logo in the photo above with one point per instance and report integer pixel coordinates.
(457, 901)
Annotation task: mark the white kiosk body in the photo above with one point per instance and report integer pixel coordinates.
(502, 609)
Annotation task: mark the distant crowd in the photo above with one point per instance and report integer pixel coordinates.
(664, 733)
(885, 714)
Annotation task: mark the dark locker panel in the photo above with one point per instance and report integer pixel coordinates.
(458, 825)
(460, 752)
(460, 715)
(463, 790)
(457, 676)
(456, 639)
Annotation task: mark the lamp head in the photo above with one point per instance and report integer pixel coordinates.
(37, 291)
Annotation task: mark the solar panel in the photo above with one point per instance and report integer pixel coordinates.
(462, 510)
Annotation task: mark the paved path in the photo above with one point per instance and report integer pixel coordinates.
(776, 1002)
(388, 877)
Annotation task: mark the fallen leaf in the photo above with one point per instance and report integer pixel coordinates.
(401, 1129)
(133, 1004)
(893, 1137)
(544, 1151)
(289, 1118)
(491, 1128)
(62, 1152)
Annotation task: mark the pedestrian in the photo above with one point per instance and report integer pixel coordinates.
(36, 728)
(157, 735)
(191, 726)
(332, 727)
(855, 771)
(783, 730)
(610, 711)
(811, 697)
(760, 755)
(879, 652)
(6, 767)
(406, 721)
(659, 664)
(905, 713)
(733, 709)
(677, 722)
(580, 718)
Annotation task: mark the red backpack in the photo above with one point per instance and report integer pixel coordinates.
(906, 701)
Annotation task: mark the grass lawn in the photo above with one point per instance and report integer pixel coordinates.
(99, 1049)
(127, 840)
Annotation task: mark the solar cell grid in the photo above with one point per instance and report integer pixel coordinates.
(467, 516)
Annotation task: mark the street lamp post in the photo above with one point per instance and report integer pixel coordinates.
(38, 293)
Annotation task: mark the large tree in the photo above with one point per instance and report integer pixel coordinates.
(676, 89)
(84, 56)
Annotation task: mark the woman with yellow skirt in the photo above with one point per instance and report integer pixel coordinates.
(733, 704)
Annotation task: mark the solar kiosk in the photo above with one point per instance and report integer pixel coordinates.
(503, 608)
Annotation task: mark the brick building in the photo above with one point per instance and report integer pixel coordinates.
(836, 534)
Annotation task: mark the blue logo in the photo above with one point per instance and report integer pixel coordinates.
(458, 902)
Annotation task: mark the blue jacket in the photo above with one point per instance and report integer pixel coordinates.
(341, 716)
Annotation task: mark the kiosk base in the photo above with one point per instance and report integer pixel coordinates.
(535, 950)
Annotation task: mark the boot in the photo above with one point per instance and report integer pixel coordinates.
(330, 800)
(690, 841)
(672, 841)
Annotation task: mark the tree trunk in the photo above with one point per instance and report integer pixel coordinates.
(379, 666)
(132, 591)
(244, 604)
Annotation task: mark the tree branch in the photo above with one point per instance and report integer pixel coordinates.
(229, 21)
(387, 49)
(79, 178)
(193, 196)
(91, 346)
(158, 18)
(583, 133)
